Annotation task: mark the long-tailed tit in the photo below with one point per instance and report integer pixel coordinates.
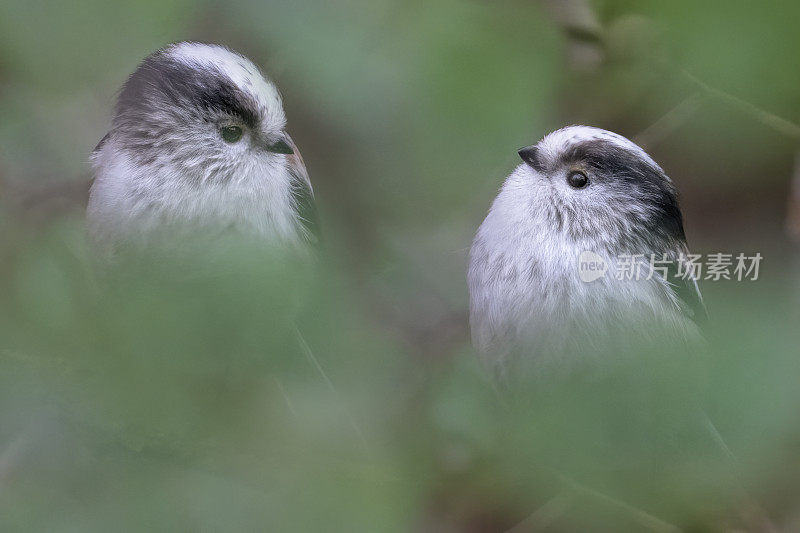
(198, 144)
(547, 276)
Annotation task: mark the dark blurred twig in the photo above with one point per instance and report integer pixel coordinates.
(580, 24)
(793, 209)
(43, 203)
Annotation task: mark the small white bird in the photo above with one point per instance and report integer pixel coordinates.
(198, 145)
(581, 194)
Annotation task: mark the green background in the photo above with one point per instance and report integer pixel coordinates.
(193, 406)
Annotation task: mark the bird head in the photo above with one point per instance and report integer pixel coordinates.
(601, 190)
(202, 113)
(199, 139)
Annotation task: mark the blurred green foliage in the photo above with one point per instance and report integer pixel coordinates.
(186, 399)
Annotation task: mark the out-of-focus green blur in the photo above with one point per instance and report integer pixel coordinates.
(349, 399)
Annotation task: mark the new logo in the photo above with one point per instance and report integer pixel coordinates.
(591, 266)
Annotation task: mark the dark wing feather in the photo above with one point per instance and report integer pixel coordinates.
(681, 290)
(96, 153)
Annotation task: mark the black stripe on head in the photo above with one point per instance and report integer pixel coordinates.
(611, 159)
(164, 84)
(635, 178)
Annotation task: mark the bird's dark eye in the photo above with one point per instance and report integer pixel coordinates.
(280, 147)
(577, 180)
(231, 134)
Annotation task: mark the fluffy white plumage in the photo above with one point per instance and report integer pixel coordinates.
(527, 300)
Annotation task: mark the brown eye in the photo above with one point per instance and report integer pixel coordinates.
(577, 180)
(231, 134)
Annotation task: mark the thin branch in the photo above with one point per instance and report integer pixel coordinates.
(545, 515)
(752, 511)
(644, 518)
(671, 121)
(314, 361)
(781, 125)
(285, 397)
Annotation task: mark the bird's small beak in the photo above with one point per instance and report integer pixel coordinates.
(281, 146)
(530, 154)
